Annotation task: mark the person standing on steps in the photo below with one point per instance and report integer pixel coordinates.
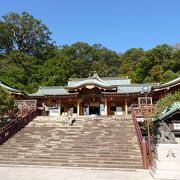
(45, 110)
(70, 117)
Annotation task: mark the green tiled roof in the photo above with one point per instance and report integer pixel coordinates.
(170, 83)
(88, 82)
(104, 81)
(50, 90)
(8, 88)
(123, 85)
(170, 110)
(133, 88)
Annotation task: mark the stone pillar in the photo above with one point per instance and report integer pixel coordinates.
(126, 107)
(166, 164)
(105, 107)
(78, 107)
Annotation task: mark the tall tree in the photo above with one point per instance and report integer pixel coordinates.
(134, 54)
(24, 33)
(129, 61)
(166, 102)
(157, 60)
(7, 103)
(100, 67)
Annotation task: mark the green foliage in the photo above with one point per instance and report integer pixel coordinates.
(166, 102)
(134, 54)
(7, 104)
(29, 58)
(100, 67)
(169, 75)
(143, 127)
(155, 74)
(24, 33)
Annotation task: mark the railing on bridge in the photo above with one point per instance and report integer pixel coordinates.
(138, 111)
(27, 112)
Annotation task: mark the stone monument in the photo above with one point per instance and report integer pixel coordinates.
(166, 164)
(166, 136)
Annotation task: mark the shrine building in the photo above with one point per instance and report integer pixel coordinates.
(100, 95)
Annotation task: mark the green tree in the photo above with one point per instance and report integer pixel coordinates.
(155, 74)
(169, 75)
(100, 67)
(16, 69)
(134, 54)
(154, 63)
(82, 55)
(24, 33)
(129, 62)
(176, 58)
(166, 102)
(55, 71)
(127, 69)
(7, 104)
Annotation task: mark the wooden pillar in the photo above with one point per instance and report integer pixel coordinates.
(126, 107)
(49, 101)
(59, 108)
(78, 107)
(105, 108)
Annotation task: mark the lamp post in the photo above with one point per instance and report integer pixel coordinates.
(145, 90)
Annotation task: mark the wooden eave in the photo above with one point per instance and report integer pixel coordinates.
(166, 86)
(115, 94)
(63, 95)
(84, 87)
(176, 111)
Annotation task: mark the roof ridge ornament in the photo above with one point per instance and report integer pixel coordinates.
(95, 75)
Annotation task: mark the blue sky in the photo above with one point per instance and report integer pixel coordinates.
(116, 24)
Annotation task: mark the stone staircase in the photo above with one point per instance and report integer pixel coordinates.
(95, 142)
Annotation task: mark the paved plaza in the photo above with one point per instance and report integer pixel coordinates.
(48, 173)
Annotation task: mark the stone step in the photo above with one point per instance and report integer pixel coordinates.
(73, 160)
(72, 153)
(83, 165)
(70, 144)
(71, 150)
(80, 136)
(105, 142)
(72, 156)
(79, 141)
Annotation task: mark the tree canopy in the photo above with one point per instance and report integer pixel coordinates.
(7, 103)
(24, 33)
(166, 102)
(29, 58)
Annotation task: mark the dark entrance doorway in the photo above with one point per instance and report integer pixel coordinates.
(94, 110)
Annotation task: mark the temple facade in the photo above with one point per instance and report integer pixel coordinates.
(100, 95)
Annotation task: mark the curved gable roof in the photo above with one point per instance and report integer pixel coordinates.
(105, 82)
(9, 88)
(85, 82)
(174, 82)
